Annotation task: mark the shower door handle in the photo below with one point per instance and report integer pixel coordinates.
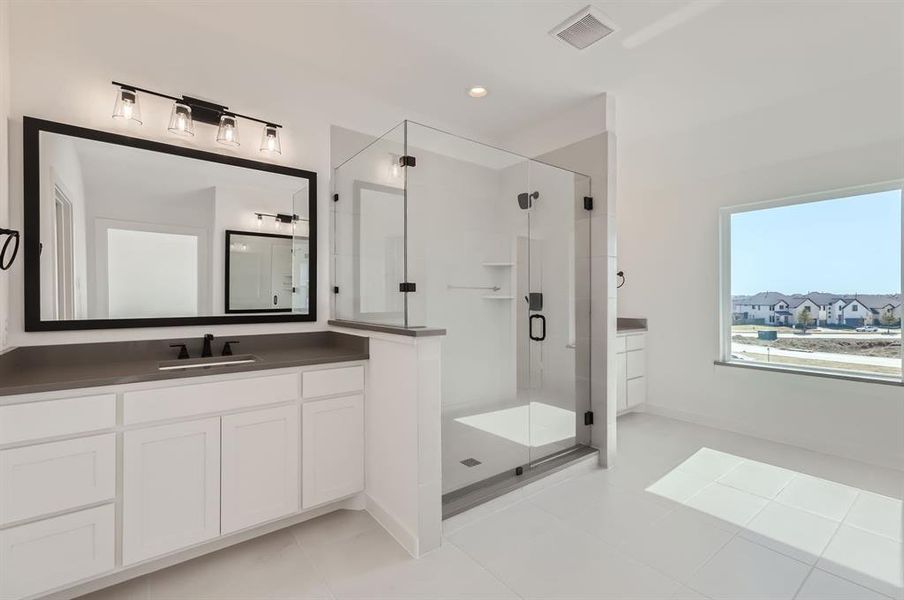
(530, 328)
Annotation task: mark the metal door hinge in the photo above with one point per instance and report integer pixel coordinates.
(407, 286)
(335, 197)
(588, 417)
(588, 203)
(335, 289)
(407, 161)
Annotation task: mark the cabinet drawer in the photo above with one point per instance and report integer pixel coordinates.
(186, 400)
(637, 391)
(36, 420)
(329, 382)
(619, 344)
(636, 364)
(42, 479)
(47, 554)
(635, 342)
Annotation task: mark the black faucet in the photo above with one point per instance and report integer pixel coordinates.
(205, 351)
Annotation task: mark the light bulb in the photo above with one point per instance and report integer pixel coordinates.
(180, 120)
(270, 140)
(394, 169)
(228, 132)
(126, 106)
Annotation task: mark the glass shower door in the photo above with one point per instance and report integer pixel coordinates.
(557, 301)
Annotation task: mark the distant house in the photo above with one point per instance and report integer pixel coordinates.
(848, 310)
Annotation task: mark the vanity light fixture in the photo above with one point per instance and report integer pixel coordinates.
(180, 121)
(270, 139)
(228, 133)
(187, 110)
(478, 91)
(127, 106)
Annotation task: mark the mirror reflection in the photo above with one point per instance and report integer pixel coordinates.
(129, 233)
(259, 272)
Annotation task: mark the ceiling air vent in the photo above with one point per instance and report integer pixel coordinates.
(584, 28)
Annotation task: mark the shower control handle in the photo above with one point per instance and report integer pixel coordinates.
(530, 328)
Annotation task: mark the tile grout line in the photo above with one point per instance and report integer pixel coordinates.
(320, 572)
(484, 568)
(828, 543)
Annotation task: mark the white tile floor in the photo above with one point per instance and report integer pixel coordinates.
(689, 512)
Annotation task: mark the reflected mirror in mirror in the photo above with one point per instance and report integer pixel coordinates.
(261, 275)
(130, 232)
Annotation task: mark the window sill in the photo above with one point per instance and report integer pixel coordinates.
(812, 373)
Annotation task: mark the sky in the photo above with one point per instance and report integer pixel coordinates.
(848, 245)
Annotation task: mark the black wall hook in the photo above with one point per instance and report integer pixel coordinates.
(9, 249)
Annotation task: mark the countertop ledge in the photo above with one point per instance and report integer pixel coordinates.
(630, 325)
(35, 369)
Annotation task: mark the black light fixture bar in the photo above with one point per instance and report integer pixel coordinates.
(202, 110)
(282, 218)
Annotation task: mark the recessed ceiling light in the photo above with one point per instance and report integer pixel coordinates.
(478, 91)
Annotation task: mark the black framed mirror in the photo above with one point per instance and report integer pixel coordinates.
(266, 272)
(126, 232)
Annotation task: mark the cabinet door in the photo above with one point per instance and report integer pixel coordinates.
(46, 478)
(54, 552)
(171, 488)
(637, 391)
(332, 449)
(621, 372)
(261, 466)
(636, 363)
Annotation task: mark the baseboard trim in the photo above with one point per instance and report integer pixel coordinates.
(405, 538)
(893, 462)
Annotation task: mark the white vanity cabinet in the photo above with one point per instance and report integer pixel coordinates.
(631, 383)
(164, 470)
(171, 488)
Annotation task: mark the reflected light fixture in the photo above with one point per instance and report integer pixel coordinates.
(228, 133)
(180, 120)
(187, 110)
(126, 106)
(270, 139)
(478, 91)
(395, 169)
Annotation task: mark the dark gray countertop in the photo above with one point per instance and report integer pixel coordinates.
(631, 325)
(392, 329)
(49, 368)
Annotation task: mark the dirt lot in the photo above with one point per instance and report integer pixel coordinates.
(890, 348)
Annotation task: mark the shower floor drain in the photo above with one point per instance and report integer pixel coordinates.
(471, 462)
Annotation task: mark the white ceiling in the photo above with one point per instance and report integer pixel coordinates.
(689, 63)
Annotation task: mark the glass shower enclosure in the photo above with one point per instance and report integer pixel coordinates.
(434, 230)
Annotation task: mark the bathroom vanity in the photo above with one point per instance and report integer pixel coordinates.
(160, 466)
(631, 364)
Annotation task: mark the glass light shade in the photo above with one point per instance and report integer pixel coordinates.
(180, 120)
(126, 106)
(270, 140)
(228, 133)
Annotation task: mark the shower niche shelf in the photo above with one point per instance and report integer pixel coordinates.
(500, 265)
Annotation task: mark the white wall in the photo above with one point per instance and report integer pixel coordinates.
(671, 189)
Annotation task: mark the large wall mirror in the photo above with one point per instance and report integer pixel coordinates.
(125, 232)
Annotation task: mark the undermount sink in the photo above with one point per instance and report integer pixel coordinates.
(201, 363)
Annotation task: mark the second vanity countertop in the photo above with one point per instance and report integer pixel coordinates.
(627, 325)
(34, 369)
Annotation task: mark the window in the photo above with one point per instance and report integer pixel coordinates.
(863, 281)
